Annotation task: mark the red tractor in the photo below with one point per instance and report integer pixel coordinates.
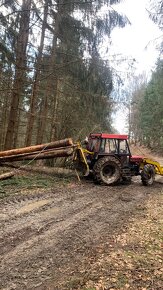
(108, 158)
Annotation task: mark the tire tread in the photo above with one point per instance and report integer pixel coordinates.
(99, 166)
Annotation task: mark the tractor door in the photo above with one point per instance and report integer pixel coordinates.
(124, 151)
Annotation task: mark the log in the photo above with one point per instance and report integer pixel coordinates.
(55, 144)
(44, 170)
(12, 157)
(42, 155)
(7, 175)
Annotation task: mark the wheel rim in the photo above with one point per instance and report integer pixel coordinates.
(109, 173)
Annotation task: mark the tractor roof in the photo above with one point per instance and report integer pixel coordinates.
(108, 136)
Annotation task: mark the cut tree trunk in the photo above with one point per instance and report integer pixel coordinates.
(55, 144)
(40, 155)
(24, 155)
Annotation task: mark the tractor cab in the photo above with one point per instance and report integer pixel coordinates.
(109, 144)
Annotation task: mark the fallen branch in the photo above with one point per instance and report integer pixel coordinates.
(7, 175)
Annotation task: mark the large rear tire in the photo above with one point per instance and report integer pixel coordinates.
(148, 175)
(107, 170)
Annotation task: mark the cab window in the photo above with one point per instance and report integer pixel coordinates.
(110, 146)
(102, 149)
(94, 145)
(123, 147)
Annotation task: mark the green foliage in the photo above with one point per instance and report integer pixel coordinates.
(150, 111)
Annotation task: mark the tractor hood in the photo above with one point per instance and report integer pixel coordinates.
(136, 158)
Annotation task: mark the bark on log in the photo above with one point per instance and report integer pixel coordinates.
(42, 155)
(17, 156)
(7, 175)
(55, 144)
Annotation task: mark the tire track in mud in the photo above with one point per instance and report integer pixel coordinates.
(48, 233)
(10, 207)
(40, 217)
(46, 221)
(35, 204)
(47, 240)
(43, 217)
(54, 240)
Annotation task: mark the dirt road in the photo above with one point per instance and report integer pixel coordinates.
(50, 241)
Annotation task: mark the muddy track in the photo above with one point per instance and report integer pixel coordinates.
(47, 238)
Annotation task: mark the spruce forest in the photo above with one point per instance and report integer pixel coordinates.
(53, 82)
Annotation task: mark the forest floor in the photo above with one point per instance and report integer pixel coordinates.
(62, 234)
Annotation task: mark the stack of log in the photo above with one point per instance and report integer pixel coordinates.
(61, 148)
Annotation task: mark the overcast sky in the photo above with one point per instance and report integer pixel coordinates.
(138, 40)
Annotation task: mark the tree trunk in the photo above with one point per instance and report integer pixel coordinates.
(5, 117)
(42, 120)
(20, 69)
(34, 153)
(64, 152)
(52, 81)
(57, 144)
(53, 131)
(39, 121)
(15, 139)
(35, 88)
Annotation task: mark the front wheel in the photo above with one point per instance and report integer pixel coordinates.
(107, 170)
(148, 174)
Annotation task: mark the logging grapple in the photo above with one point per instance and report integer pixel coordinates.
(108, 159)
